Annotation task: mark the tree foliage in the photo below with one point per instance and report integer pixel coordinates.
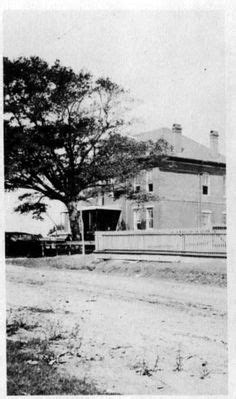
(63, 135)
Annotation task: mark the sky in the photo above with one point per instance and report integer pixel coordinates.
(173, 63)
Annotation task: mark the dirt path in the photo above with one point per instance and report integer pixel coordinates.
(131, 333)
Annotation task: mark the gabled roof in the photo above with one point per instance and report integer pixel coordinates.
(191, 149)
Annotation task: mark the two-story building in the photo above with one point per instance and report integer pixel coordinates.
(188, 188)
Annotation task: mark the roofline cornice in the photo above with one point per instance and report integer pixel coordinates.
(197, 161)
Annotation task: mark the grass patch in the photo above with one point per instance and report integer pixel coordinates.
(15, 325)
(71, 262)
(29, 372)
(38, 310)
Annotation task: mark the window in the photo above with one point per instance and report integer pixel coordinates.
(137, 219)
(205, 184)
(206, 219)
(150, 187)
(149, 218)
(136, 184)
(149, 183)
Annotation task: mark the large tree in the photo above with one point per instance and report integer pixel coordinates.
(63, 136)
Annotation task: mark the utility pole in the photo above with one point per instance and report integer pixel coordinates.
(81, 227)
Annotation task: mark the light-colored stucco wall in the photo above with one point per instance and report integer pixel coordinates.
(179, 201)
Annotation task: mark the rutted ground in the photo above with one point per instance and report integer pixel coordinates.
(128, 334)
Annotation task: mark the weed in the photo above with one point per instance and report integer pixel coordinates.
(13, 324)
(75, 332)
(204, 370)
(75, 340)
(54, 331)
(38, 283)
(179, 361)
(39, 310)
(156, 368)
(143, 368)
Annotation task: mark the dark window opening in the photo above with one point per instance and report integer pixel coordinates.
(139, 226)
(137, 189)
(204, 190)
(150, 187)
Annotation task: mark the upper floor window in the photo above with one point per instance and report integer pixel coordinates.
(149, 218)
(137, 183)
(149, 181)
(205, 184)
(150, 187)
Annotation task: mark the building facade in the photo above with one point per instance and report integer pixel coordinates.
(188, 189)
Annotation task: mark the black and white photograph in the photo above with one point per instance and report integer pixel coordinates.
(115, 216)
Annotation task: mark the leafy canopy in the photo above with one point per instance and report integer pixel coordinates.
(63, 134)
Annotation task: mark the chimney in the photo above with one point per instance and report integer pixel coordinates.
(214, 136)
(177, 138)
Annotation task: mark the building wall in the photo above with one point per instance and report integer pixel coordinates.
(183, 201)
(178, 214)
(179, 201)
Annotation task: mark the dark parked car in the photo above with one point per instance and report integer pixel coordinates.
(22, 244)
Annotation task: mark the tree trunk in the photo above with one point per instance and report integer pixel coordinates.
(74, 220)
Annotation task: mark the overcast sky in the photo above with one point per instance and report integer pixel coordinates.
(173, 62)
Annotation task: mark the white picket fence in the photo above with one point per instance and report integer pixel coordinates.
(155, 242)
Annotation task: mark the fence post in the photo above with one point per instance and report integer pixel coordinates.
(183, 242)
(212, 242)
(42, 245)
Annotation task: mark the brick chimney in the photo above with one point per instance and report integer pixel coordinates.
(214, 145)
(177, 137)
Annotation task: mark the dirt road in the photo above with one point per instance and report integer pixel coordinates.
(131, 335)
